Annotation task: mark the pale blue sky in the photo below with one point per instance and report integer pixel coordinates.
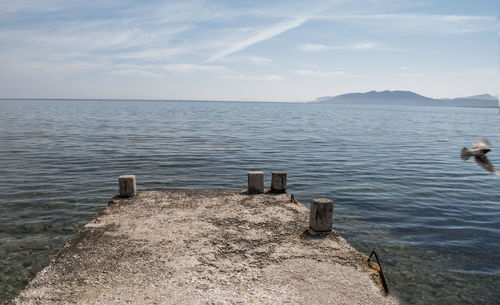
(256, 50)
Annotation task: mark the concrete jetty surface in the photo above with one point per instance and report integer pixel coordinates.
(205, 247)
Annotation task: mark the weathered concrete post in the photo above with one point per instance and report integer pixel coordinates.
(127, 185)
(256, 182)
(321, 216)
(278, 182)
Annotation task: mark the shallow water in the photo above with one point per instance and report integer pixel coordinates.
(394, 173)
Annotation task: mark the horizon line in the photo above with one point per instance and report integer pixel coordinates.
(148, 100)
(227, 100)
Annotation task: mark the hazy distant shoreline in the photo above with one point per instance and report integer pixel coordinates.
(385, 98)
(408, 98)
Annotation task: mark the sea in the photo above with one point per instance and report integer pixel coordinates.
(394, 173)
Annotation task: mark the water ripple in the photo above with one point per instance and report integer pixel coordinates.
(394, 173)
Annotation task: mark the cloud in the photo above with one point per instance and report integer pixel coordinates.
(137, 72)
(259, 37)
(272, 78)
(33, 5)
(436, 24)
(267, 78)
(359, 46)
(258, 60)
(153, 53)
(192, 68)
(44, 42)
(252, 59)
(410, 72)
(48, 67)
(317, 73)
(311, 47)
(413, 75)
(362, 46)
(476, 72)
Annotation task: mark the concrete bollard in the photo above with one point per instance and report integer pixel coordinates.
(127, 185)
(278, 182)
(321, 215)
(256, 182)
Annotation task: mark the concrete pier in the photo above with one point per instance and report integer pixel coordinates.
(204, 247)
(278, 182)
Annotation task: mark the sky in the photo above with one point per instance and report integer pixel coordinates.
(246, 50)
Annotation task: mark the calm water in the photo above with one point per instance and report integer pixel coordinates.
(394, 173)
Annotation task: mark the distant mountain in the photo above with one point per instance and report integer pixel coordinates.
(486, 97)
(408, 98)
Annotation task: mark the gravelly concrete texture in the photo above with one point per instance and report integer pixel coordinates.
(205, 247)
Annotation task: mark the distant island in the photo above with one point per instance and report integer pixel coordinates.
(408, 98)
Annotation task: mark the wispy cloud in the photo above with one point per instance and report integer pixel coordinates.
(318, 73)
(436, 24)
(413, 17)
(267, 78)
(413, 75)
(259, 60)
(27, 5)
(476, 72)
(259, 37)
(411, 72)
(359, 46)
(48, 67)
(251, 59)
(114, 42)
(312, 47)
(137, 72)
(193, 68)
(153, 54)
(271, 78)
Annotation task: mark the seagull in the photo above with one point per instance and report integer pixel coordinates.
(478, 151)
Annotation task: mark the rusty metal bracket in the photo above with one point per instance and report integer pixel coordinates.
(381, 273)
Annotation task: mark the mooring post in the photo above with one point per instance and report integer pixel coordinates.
(256, 182)
(278, 182)
(127, 185)
(321, 216)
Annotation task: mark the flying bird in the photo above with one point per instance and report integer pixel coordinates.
(479, 151)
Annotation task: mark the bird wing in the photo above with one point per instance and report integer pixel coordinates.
(486, 164)
(481, 144)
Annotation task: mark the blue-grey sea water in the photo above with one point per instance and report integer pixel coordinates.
(394, 173)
